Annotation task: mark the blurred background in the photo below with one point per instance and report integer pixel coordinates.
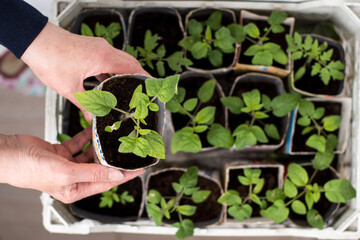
(22, 98)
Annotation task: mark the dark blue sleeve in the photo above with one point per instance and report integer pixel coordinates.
(20, 24)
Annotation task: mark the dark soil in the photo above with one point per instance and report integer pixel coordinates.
(324, 207)
(161, 21)
(314, 84)
(208, 212)
(278, 38)
(123, 90)
(104, 17)
(299, 140)
(271, 181)
(89, 207)
(265, 86)
(192, 83)
(228, 58)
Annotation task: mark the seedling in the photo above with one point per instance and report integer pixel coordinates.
(313, 121)
(152, 52)
(109, 33)
(317, 56)
(258, 106)
(298, 184)
(263, 51)
(200, 120)
(109, 197)
(239, 207)
(141, 142)
(159, 206)
(210, 40)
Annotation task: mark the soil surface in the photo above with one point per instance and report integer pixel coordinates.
(278, 38)
(271, 181)
(89, 207)
(314, 84)
(208, 212)
(192, 85)
(123, 90)
(299, 140)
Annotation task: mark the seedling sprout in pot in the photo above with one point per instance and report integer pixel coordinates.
(125, 115)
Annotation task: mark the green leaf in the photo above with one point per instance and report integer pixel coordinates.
(126, 198)
(205, 115)
(277, 212)
(308, 42)
(153, 107)
(237, 31)
(199, 50)
(284, 103)
(261, 115)
(299, 73)
(138, 146)
(275, 194)
(272, 132)
(189, 178)
(100, 30)
(262, 58)
(280, 57)
(304, 121)
(252, 98)
(240, 212)
(190, 104)
(113, 30)
(306, 108)
(244, 181)
(331, 123)
(156, 145)
(194, 27)
(137, 96)
(219, 136)
(208, 33)
(164, 88)
(224, 40)
(315, 69)
(339, 190)
(153, 196)
(252, 50)
(259, 185)
(206, 90)
(97, 102)
(259, 134)
(290, 189)
(322, 160)
(141, 110)
(160, 68)
(86, 30)
(150, 41)
(190, 190)
(252, 174)
(244, 137)
(176, 61)
(186, 210)
(317, 142)
(186, 229)
(276, 17)
(215, 58)
(271, 47)
(331, 142)
(161, 51)
(200, 196)
(307, 130)
(61, 137)
(214, 20)
(296, 55)
(185, 140)
(298, 175)
(234, 104)
(230, 198)
(314, 219)
(177, 187)
(200, 128)
(298, 207)
(252, 30)
(132, 51)
(325, 76)
(174, 104)
(155, 213)
(309, 199)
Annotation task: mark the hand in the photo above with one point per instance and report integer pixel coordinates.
(29, 162)
(62, 60)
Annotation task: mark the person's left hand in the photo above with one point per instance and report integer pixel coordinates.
(30, 162)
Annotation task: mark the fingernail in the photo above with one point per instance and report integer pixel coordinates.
(115, 175)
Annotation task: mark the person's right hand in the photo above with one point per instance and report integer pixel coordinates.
(30, 162)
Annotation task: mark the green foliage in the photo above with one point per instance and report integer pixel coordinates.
(258, 106)
(262, 51)
(201, 119)
(151, 53)
(109, 33)
(159, 206)
(317, 57)
(109, 197)
(210, 40)
(239, 206)
(141, 142)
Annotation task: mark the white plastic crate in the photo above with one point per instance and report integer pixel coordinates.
(344, 14)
